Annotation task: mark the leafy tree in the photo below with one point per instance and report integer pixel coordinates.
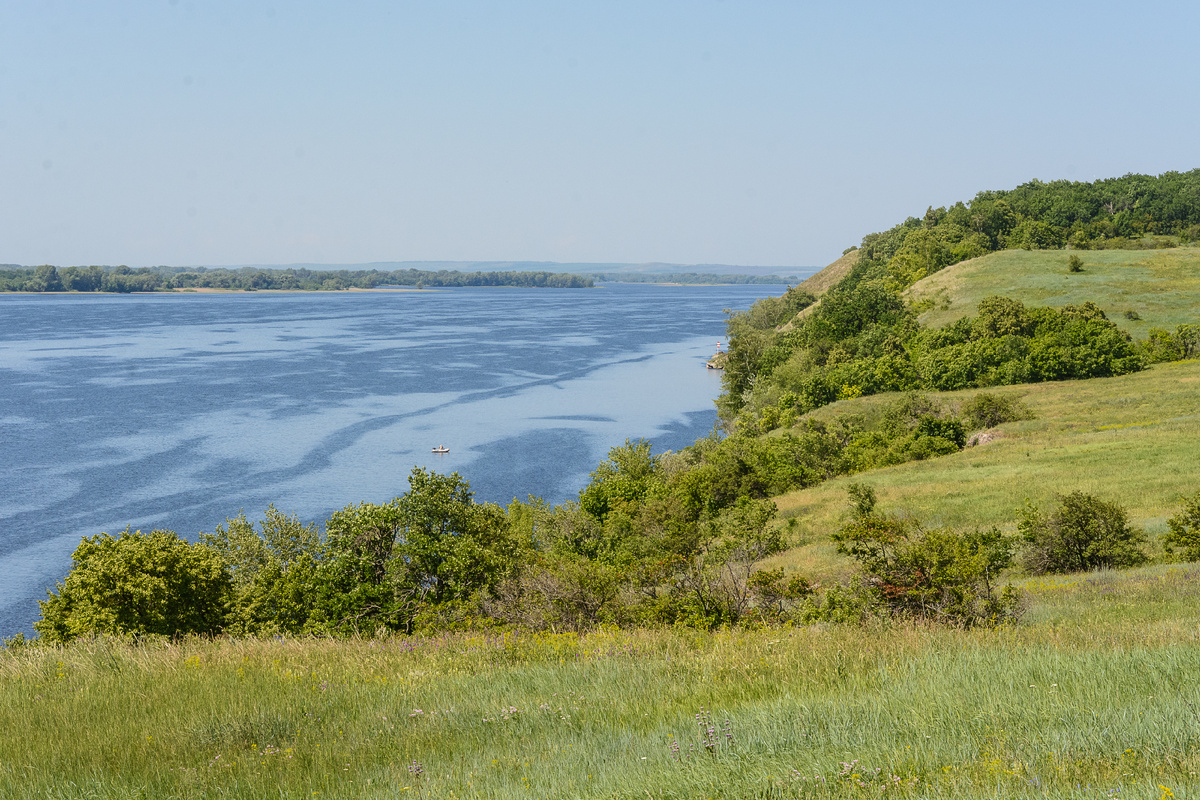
(1083, 533)
(1034, 234)
(622, 481)
(352, 585)
(561, 591)
(986, 410)
(1002, 316)
(273, 570)
(1161, 345)
(138, 583)
(713, 586)
(1184, 529)
(432, 545)
(45, 279)
(447, 546)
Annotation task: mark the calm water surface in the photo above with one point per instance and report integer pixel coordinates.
(177, 411)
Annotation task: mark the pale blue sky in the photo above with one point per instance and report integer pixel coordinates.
(764, 133)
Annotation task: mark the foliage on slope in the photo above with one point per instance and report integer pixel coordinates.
(864, 338)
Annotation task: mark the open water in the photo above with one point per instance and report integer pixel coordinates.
(180, 410)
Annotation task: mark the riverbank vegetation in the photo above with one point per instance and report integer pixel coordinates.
(122, 279)
(941, 547)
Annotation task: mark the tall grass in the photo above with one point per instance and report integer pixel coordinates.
(1069, 700)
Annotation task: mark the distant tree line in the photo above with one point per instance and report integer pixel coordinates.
(47, 278)
(688, 278)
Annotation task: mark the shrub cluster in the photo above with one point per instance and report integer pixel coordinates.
(1084, 533)
(933, 574)
(628, 554)
(153, 583)
(1176, 345)
(646, 542)
(1184, 529)
(829, 356)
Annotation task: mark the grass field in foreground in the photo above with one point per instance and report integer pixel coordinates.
(1096, 695)
(1161, 286)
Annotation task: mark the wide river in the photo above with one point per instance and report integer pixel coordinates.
(180, 410)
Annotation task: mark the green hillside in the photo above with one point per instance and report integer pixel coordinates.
(1162, 287)
(1132, 438)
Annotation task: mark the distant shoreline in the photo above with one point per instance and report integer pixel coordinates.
(218, 290)
(356, 289)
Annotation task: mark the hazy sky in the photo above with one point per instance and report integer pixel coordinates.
(768, 133)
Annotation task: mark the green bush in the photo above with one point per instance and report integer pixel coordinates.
(986, 410)
(1185, 529)
(138, 583)
(1161, 345)
(936, 574)
(1083, 533)
(1074, 264)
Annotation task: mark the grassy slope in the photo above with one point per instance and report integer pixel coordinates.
(828, 277)
(1132, 438)
(1135, 439)
(825, 280)
(1162, 286)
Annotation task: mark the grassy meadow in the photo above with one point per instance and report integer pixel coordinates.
(1161, 286)
(1094, 695)
(1134, 439)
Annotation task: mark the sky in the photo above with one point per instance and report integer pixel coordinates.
(184, 132)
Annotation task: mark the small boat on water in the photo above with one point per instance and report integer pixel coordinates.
(441, 449)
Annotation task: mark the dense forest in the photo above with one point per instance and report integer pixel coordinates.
(680, 538)
(122, 279)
